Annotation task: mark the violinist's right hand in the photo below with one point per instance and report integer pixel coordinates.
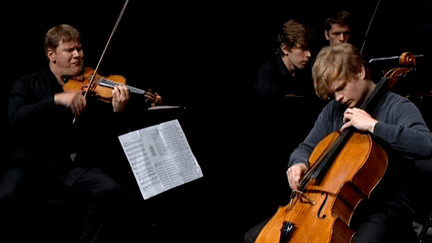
(295, 174)
(74, 101)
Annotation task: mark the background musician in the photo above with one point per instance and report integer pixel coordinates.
(288, 72)
(341, 72)
(282, 83)
(338, 28)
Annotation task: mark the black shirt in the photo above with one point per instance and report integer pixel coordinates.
(274, 78)
(43, 131)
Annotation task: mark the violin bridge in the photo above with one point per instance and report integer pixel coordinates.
(286, 231)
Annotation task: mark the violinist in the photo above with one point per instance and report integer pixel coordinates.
(341, 72)
(51, 150)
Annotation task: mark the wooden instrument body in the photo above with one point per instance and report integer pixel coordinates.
(80, 84)
(322, 212)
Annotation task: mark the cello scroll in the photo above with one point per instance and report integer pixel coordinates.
(406, 59)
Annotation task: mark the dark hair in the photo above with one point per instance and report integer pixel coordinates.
(58, 34)
(294, 33)
(342, 18)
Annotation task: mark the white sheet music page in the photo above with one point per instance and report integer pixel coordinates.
(160, 158)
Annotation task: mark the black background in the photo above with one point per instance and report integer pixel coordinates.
(204, 56)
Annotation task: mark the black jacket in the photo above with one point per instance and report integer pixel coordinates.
(274, 78)
(44, 133)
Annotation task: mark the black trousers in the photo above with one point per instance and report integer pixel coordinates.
(20, 185)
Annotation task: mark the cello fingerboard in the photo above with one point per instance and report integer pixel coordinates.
(111, 84)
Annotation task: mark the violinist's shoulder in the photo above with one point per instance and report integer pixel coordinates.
(30, 82)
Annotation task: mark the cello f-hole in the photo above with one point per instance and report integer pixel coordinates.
(323, 216)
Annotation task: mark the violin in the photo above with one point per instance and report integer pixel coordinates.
(101, 86)
(345, 168)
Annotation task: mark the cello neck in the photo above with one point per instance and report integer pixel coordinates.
(318, 172)
(369, 100)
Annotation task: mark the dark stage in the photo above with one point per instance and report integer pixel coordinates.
(205, 56)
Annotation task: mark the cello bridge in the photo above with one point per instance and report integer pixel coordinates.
(304, 197)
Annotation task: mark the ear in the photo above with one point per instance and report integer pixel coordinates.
(51, 55)
(326, 33)
(362, 72)
(284, 48)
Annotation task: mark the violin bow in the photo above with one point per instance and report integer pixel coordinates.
(370, 24)
(103, 53)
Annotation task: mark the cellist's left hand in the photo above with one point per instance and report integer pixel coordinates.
(359, 119)
(121, 97)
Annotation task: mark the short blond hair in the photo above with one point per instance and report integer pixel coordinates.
(341, 61)
(58, 34)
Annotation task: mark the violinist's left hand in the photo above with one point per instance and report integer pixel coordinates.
(359, 119)
(121, 97)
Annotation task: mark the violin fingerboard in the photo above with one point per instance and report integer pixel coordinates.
(110, 84)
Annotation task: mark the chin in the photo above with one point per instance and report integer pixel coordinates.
(302, 65)
(74, 71)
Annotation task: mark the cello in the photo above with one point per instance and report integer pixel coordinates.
(330, 191)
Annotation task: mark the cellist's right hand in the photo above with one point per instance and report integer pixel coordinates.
(295, 174)
(74, 101)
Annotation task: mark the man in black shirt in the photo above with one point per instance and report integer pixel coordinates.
(50, 148)
(338, 28)
(288, 73)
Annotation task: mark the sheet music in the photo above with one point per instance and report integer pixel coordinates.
(160, 158)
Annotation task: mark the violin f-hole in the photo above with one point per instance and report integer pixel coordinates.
(90, 92)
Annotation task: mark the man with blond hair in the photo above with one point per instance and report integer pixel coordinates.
(396, 124)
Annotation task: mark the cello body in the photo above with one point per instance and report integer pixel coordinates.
(323, 210)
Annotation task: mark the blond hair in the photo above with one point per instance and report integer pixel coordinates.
(342, 61)
(58, 34)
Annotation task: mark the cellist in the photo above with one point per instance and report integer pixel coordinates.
(341, 72)
(396, 124)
